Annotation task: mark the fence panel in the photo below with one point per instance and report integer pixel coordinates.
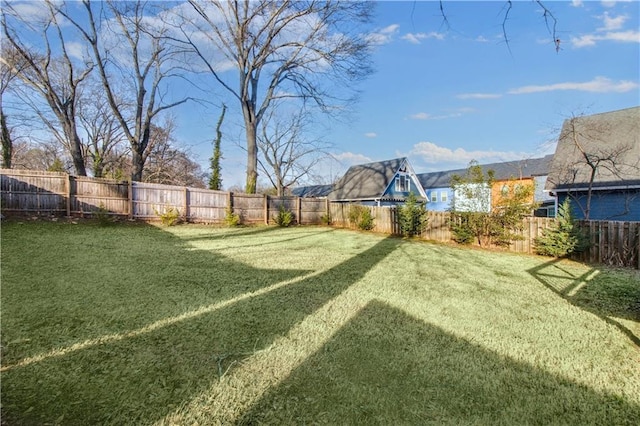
(613, 243)
(150, 200)
(275, 203)
(250, 207)
(437, 228)
(33, 192)
(312, 210)
(207, 206)
(88, 195)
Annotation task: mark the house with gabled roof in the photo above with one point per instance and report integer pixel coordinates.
(381, 183)
(597, 165)
(312, 191)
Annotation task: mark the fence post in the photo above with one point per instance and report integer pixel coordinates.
(299, 210)
(130, 198)
(69, 180)
(266, 209)
(186, 204)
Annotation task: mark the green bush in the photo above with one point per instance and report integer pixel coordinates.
(102, 216)
(462, 231)
(170, 217)
(284, 218)
(361, 217)
(564, 237)
(412, 217)
(326, 219)
(231, 219)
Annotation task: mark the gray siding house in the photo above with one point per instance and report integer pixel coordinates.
(597, 165)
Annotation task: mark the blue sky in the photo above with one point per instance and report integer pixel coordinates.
(443, 95)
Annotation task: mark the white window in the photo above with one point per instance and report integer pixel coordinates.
(443, 196)
(403, 184)
(434, 196)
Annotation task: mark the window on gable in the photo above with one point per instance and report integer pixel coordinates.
(403, 184)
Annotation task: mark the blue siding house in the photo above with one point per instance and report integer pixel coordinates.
(382, 183)
(597, 165)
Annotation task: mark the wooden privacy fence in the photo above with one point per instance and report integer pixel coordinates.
(46, 193)
(58, 194)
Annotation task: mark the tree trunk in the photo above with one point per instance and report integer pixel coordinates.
(137, 165)
(76, 153)
(252, 153)
(7, 143)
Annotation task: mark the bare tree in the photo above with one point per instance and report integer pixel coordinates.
(287, 152)
(130, 53)
(289, 49)
(168, 164)
(55, 78)
(104, 136)
(8, 74)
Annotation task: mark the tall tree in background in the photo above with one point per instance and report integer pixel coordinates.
(215, 181)
(131, 56)
(55, 78)
(289, 49)
(7, 75)
(168, 164)
(105, 141)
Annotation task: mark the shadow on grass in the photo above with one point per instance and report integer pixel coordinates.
(141, 379)
(256, 242)
(604, 295)
(386, 367)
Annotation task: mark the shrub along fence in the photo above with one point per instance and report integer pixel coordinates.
(45, 193)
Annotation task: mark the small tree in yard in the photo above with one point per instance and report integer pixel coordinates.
(473, 218)
(412, 217)
(564, 237)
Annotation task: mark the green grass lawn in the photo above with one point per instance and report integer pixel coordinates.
(135, 324)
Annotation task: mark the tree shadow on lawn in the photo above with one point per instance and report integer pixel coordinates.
(143, 378)
(386, 367)
(102, 287)
(594, 292)
(253, 242)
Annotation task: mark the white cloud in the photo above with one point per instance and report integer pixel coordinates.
(597, 85)
(479, 96)
(430, 153)
(455, 113)
(418, 37)
(612, 23)
(384, 35)
(371, 135)
(576, 3)
(611, 30)
(482, 39)
(420, 116)
(350, 158)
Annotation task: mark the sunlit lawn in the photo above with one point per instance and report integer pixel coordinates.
(135, 324)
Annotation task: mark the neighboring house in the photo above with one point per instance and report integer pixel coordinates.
(528, 173)
(383, 183)
(437, 186)
(597, 165)
(312, 191)
(507, 177)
